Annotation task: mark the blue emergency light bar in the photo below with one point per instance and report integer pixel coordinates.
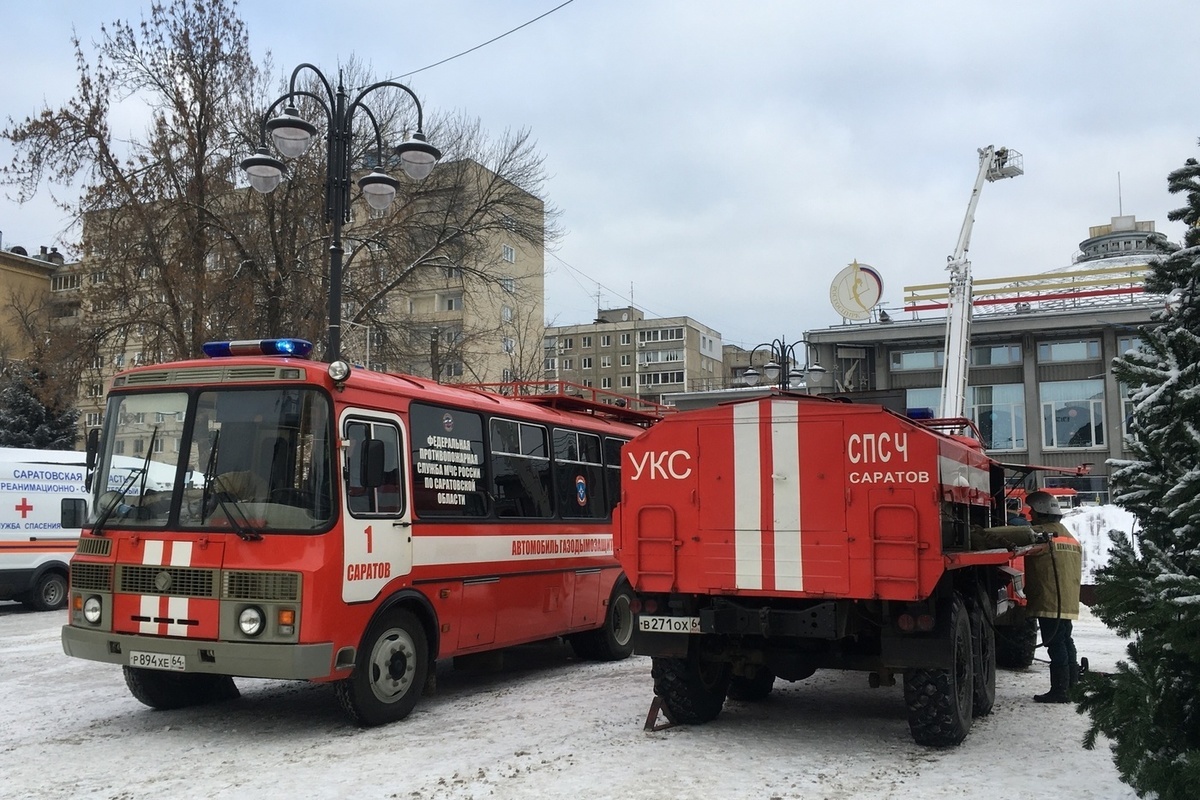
(298, 348)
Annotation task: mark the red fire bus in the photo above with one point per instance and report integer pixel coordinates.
(257, 514)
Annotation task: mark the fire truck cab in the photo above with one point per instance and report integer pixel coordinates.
(771, 537)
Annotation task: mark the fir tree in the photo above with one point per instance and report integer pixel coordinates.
(1150, 589)
(28, 418)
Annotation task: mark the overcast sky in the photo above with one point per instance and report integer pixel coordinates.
(725, 160)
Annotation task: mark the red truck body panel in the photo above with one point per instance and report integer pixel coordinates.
(788, 496)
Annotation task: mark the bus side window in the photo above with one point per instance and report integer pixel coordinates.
(612, 469)
(579, 475)
(373, 487)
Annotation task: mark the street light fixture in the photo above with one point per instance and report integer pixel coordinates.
(781, 370)
(292, 136)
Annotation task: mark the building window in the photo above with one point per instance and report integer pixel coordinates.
(606, 383)
(507, 375)
(903, 360)
(452, 273)
(509, 344)
(587, 382)
(606, 340)
(1127, 343)
(999, 413)
(656, 378)
(452, 369)
(508, 253)
(93, 419)
(506, 314)
(550, 364)
(1072, 413)
(452, 302)
(626, 360)
(508, 284)
(568, 363)
(626, 381)
(95, 390)
(1127, 405)
(995, 355)
(1081, 350)
(605, 361)
(930, 399)
(99, 277)
(567, 343)
(585, 362)
(626, 339)
(585, 342)
(62, 283)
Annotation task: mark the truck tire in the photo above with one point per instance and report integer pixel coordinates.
(1016, 644)
(693, 690)
(612, 641)
(983, 649)
(754, 688)
(389, 674)
(49, 594)
(940, 700)
(169, 690)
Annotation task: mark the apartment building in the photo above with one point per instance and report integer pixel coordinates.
(624, 352)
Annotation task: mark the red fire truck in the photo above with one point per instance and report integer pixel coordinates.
(296, 520)
(768, 538)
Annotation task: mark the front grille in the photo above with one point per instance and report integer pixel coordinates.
(91, 577)
(266, 586)
(94, 547)
(172, 581)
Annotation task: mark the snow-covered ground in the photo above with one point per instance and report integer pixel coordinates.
(543, 726)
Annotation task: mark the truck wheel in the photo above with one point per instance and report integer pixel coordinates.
(1016, 644)
(168, 690)
(50, 593)
(693, 690)
(389, 674)
(612, 641)
(754, 688)
(939, 700)
(983, 641)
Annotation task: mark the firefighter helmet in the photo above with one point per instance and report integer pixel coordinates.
(1044, 503)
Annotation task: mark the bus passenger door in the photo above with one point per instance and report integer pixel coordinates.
(376, 519)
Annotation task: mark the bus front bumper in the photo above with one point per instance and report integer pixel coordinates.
(237, 659)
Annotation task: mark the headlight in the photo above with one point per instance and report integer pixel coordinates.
(251, 621)
(339, 371)
(92, 609)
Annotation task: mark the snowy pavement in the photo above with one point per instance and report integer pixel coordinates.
(543, 726)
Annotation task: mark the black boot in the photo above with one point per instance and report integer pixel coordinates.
(1059, 677)
(1073, 672)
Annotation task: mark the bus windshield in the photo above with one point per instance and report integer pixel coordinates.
(256, 460)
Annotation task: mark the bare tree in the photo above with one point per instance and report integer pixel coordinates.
(176, 250)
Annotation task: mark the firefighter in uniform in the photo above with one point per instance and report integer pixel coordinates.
(1052, 581)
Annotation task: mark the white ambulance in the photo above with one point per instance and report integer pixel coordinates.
(35, 549)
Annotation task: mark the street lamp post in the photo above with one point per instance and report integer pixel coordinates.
(780, 370)
(293, 135)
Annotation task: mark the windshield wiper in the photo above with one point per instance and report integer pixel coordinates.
(117, 500)
(233, 510)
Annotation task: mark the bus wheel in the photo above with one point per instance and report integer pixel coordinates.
(390, 672)
(940, 700)
(50, 594)
(692, 689)
(612, 641)
(167, 690)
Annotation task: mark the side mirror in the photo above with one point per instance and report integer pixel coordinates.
(370, 466)
(74, 512)
(93, 447)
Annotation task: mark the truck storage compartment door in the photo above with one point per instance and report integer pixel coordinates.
(773, 502)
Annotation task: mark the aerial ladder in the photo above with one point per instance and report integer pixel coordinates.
(994, 164)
